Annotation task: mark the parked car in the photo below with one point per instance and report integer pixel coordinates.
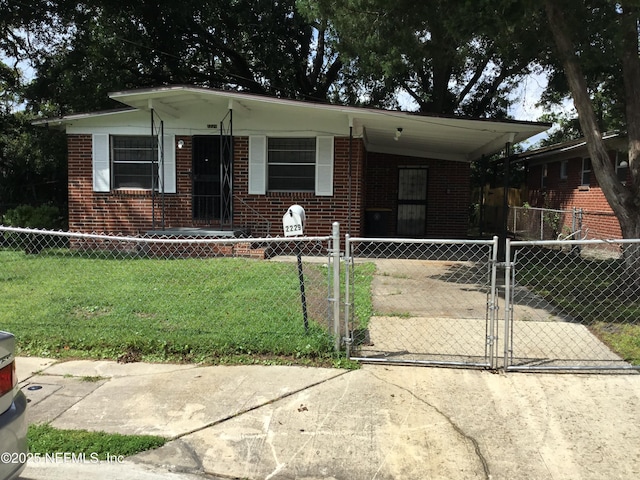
(13, 407)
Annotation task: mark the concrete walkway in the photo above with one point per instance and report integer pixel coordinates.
(378, 422)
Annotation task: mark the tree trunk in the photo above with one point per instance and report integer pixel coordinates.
(624, 201)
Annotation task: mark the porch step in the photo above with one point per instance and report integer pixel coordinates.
(196, 232)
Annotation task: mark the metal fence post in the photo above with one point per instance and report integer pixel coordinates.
(508, 307)
(347, 293)
(493, 304)
(335, 233)
(541, 225)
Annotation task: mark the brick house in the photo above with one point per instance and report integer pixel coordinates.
(560, 177)
(182, 158)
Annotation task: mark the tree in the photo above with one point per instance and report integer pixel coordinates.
(80, 51)
(449, 57)
(621, 43)
(259, 46)
(32, 164)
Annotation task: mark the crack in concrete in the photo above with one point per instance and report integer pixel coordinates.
(194, 456)
(454, 425)
(336, 404)
(62, 394)
(243, 412)
(109, 377)
(255, 407)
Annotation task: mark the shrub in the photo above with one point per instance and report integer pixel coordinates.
(27, 216)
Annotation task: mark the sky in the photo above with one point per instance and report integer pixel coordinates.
(524, 104)
(525, 107)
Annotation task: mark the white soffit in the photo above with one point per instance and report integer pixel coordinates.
(448, 138)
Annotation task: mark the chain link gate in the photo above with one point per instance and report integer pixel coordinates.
(568, 305)
(572, 305)
(431, 301)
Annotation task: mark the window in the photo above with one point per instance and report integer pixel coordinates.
(543, 179)
(586, 171)
(564, 165)
(134, 164)
(129, 164)
(291, 164)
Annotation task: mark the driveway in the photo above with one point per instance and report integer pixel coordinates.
(438, 311)
(378, 422)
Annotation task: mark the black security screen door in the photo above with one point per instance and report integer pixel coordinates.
(412, 202)
(206, 178)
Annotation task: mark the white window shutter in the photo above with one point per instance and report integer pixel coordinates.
(100, 162)
(257, 165)
(169, 171)
(324, 166)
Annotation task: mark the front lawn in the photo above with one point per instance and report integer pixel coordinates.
(195, 310)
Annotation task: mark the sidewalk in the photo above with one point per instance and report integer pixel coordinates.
(379, 422)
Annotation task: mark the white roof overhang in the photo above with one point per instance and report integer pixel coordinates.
(196, 110)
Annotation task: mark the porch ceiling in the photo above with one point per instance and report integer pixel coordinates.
(441, 137)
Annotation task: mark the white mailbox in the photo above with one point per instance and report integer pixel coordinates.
(293, 221)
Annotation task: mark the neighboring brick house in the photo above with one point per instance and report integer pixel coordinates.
(231, 161)
(560, 177)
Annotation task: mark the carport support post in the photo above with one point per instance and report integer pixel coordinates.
(505, 194)
(335, 233)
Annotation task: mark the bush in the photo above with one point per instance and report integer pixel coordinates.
(44, 216)
(26, 216)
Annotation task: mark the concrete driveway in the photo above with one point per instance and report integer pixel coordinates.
(437, 311)
(378, 422)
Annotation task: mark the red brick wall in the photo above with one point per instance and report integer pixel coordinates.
(566, 194)
(448, 192)
(127, 212)
(130, 212)
(320, 211)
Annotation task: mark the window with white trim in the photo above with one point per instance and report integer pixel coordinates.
(129, 166)
(291, 164)
(545, 174)
(586, 172)
(134, 162)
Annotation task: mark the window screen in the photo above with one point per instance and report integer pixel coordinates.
(291, 164)
(134, 162)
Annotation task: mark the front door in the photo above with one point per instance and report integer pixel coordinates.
(206, 178)
(412, 202)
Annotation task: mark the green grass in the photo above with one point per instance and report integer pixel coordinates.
(623, 339)
(218, 310)
(591, 292)
(44, 439)
(362, 302)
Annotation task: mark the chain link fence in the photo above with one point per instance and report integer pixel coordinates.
(167, 298)
(431, 301)
(533, 223)
(555, 305)
(573, 305)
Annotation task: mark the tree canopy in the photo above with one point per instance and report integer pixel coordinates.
(80, 51)
(449, 57)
